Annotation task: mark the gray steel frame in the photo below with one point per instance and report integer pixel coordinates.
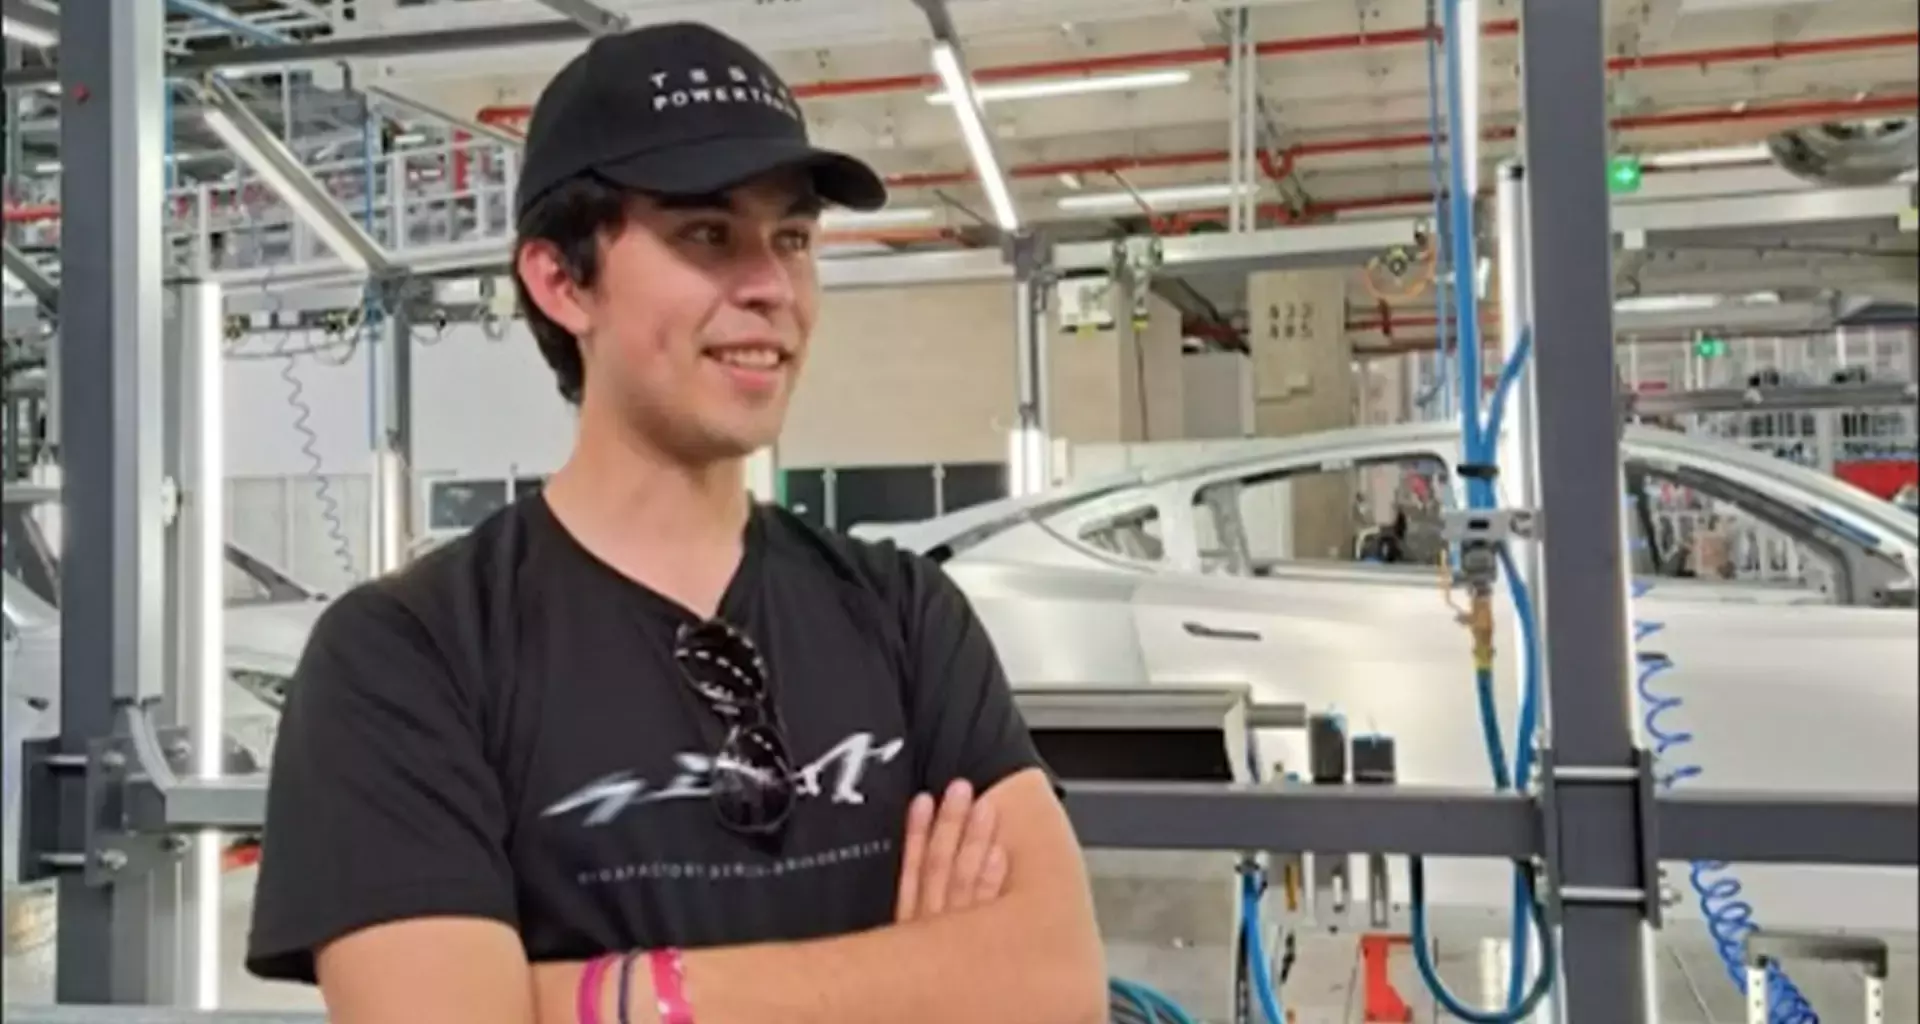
(114, 802)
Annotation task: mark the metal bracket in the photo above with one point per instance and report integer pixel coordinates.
(1769, 950)
(1647, 894)
(1490, 526)
(109, 837)
(1029, 258)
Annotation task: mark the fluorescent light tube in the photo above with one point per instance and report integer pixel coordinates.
(28, 34)
(893, 216)
(1153, 198)
(1666, 303)
(946, 64)
(1691, 303)
(1719, 157)
(1048, 88)
(230, 134)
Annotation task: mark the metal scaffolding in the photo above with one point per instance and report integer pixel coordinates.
(108, 806)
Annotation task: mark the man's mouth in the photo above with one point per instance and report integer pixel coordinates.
(749, 357)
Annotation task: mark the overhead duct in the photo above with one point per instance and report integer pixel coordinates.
(1849, 152)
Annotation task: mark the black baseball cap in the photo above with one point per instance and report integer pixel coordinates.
(678, 110)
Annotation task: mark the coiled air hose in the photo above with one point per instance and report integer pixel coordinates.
(1729, 918)
(1134, 1003)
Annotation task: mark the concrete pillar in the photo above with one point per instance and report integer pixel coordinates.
(1302, 384)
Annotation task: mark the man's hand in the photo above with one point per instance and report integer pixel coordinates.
(952, 859)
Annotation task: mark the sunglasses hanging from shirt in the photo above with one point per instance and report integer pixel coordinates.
(752, 772)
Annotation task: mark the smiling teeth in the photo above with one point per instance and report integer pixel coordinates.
(750, 358)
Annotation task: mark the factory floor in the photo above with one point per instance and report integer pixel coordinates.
(1325, 987)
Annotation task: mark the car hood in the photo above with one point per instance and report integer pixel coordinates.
(268, 638)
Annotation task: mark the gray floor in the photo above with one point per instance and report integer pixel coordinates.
(1157, 937)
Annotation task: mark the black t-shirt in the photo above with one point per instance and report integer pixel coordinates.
(501, 730)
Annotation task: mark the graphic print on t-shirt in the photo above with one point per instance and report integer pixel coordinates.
(608, 797)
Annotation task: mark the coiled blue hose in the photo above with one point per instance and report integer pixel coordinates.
(310, 448)
(1729, 917)
(1150, 1005)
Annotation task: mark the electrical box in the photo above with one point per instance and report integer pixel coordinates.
(1085, 304)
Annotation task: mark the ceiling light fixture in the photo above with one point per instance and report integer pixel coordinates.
(966, 109)
(892, 216)
(1153, 198)
(1054, 87)
(1719, 157)
(1692, 303)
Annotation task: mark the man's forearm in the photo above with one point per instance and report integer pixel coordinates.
(1011, 962)
(1005, 962)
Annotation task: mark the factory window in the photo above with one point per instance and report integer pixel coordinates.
(1685, 525)
(1134, 535)
(1382, 510)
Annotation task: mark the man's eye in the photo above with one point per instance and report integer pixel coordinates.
(705, 234)
(794, 240)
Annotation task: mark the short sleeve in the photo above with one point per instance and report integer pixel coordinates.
(964, 721)
(381, 805)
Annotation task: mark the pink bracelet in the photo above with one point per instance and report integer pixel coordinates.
(670, 986)
(586, 1005)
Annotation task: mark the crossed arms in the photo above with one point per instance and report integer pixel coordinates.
(1028, 954)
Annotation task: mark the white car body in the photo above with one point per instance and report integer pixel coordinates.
(265, 634)
(1785, 688)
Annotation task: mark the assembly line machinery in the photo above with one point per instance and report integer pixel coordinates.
(127, 812)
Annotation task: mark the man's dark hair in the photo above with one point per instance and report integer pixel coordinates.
(574, 217)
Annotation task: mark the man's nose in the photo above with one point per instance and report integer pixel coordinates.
(762, 278)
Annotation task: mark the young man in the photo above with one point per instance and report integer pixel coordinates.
(636, 749)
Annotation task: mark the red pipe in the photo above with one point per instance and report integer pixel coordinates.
(462, 158)
(514, 113)
(1811, 111)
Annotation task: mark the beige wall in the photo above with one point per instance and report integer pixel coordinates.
(1219, 394)
(1303, 383)
(909, 376)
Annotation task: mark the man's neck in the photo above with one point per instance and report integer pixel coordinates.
(674, 527)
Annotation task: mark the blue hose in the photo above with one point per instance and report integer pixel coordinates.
(1259, 968)
(1479, 446)
(1729, 918)
(1155, 1006)
(1149, 1003)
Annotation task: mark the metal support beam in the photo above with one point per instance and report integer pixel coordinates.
(474, 128)
(589, 15)
(112, 651)
(1030, 449)
(392, 367)
(1836, 828)
(1827, 828)
(228, 116)
(30, 23)
(197, 567)
(1298, 247)
(1802, 207)
(1779, 399)
(1599, 841)
(38, 284)
(1302, 819)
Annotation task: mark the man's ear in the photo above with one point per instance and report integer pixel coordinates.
(551, 287)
